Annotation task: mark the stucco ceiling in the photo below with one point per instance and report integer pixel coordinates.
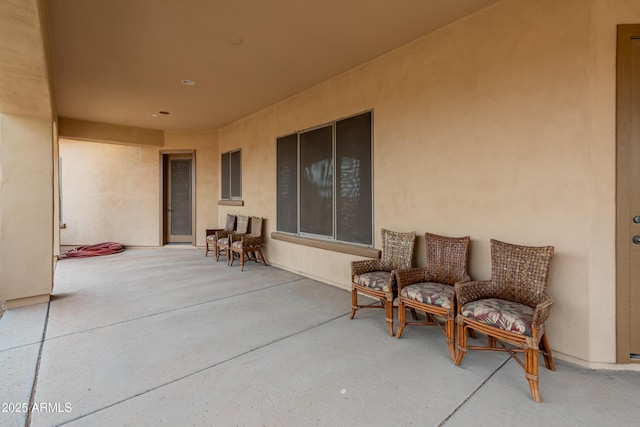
(118, 61)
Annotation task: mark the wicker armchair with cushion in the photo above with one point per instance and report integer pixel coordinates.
(511, 308)
(376, 278)
(230, 225)
(248, 245)
(430, 289)
(223, 240)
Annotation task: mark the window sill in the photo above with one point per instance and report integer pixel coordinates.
(344, 248)
(231, 202)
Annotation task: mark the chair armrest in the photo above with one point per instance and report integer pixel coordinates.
(409, 276)
(221, 234)
(367, 266)
(542, 311)
(211, 231)
(234, 237)
(250, 241)
(472, 291)
(465, 279)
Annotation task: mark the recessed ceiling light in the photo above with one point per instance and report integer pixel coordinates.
(235, 40)
(152, 114)
(187, 82)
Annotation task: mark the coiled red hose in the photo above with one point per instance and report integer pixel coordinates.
(106, 248)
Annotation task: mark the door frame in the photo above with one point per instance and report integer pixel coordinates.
(162, 209)
(623, 190)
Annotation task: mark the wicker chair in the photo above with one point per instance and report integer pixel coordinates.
(430, 289)
(376, 278)
(223, 240)
(211, 239)
(511, 308)
(249, 244)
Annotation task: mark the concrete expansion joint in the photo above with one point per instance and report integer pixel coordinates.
(203, 369)
(34, 387)
(133, 319)
(476, 390)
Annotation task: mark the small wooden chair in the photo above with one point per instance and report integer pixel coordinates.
(376, 278)
(248, 244)
(511, 308)
(223, 238)
(430, 289)
(211, 239)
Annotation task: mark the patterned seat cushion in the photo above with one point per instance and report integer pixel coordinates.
(211, 237)
(223, 241)
(429, 293)
(506, 315)
(237, 244)
(374, 280)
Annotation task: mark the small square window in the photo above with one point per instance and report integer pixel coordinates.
(231, 175)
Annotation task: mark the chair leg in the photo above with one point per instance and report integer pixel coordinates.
(402, 317)
(388, 305)
(450, 335)
(216, 252)
(414, 314)
(259, 251)
(531, 372)
(206, 252)
(462, 344)
(548, 357)
(241, 255)
(354, 301)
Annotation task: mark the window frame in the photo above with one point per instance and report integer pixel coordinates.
(333, 238)
(226, 194)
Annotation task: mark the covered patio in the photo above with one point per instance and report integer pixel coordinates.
(165, 336)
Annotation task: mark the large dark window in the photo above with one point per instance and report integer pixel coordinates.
(231, 175)
(354, 180)
(316, 181)
(325, 182)
(288, 184)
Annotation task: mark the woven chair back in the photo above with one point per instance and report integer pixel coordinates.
(519, 273)
(447, 258)
(230, 224)
(256, 226)
(242, 224)
(397, 249)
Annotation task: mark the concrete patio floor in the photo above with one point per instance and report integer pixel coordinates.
(168, 337)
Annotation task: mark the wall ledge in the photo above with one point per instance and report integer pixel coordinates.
(327, 245)
(230, 202)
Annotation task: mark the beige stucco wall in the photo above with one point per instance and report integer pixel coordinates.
(112, 192)
(501, 126)
(26, 154)
(26, 209)
(56, 190)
